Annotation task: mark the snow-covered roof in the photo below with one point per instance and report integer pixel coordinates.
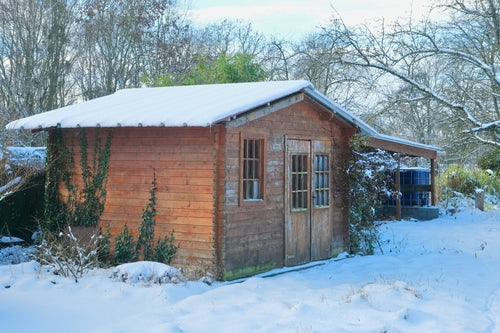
(26, 156)
(198, 105)
(406, 142)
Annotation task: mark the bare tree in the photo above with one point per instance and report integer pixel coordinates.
(117, 40)
(225, 51)
(279, 57)
(170, 45)
(468, 43)
(34, 56)
(230, 37)
(317, 60)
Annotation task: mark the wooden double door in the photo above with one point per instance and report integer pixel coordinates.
(308, 201)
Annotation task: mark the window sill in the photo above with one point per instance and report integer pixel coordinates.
(250, 202)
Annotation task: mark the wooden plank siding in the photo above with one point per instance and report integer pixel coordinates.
(254, 231)
(198, 176)
(183, 160)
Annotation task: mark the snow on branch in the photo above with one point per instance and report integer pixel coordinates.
(484, 127)
(421, 87)
(483, 140)
(467, 57)
(9, 188)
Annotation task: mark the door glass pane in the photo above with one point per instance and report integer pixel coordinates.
(299, 177)
(321, 196)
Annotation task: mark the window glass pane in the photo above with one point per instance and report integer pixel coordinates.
(255, 193)
(249, 174)
(245, 169)
(250, 149)
(252, 166)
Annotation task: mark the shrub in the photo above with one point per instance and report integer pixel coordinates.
(370, 179)
(105, 246)
(165, 249)
(70, 257)
(490, 160)
(66, 255)
(126, 250)
(459, 180)
(125, 247)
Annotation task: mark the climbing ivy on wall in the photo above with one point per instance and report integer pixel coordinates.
(59, 158)
(128, 250)
(164, 249)
(147, 225)
(75, 205)
(89, 202)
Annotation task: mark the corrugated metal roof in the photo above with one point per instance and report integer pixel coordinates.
(200, 105)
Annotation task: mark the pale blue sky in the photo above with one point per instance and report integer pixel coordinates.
(292, 19)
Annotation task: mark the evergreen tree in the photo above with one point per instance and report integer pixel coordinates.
(240, 67)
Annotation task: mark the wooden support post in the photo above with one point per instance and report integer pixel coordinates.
(397, 184)
(433, 183)
(480, 199)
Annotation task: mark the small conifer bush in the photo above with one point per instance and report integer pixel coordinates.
(125, 247)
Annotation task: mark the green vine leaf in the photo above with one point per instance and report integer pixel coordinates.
(80, 207)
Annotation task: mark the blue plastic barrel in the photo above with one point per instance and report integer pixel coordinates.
(414, 176)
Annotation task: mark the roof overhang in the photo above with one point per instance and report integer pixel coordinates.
(375, 139)
(402, 146)
(207, 105)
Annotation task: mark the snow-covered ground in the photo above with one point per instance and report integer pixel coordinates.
(434, 276)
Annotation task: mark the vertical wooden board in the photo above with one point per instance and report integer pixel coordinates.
(321, 217)
(297, 221)
(297, 239)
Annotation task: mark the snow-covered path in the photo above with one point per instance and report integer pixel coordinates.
(435, 276)
(494, 310)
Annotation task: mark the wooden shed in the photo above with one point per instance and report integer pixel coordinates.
(250, 176)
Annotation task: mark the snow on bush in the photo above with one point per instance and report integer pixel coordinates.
(370, 179)
(27, 156)
(64, 254)
(147, 272)
(16, 254)
(10, 240)
(10, 184)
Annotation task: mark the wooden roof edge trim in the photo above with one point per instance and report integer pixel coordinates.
(264, 110)
(341, 112)
(329, 114)
(402, 146)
